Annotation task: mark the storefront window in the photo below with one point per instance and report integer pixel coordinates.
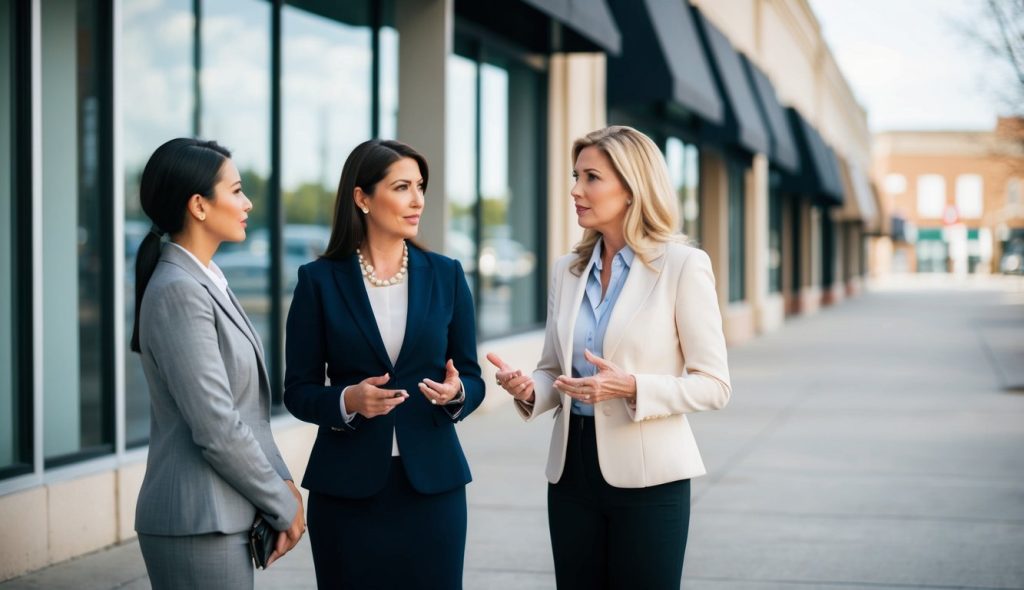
(235, 111)
(327, 94)
(461, 164)
(10, 428)
(77, 384)
(496, 187)
(684, 171)
(157, 87)
(737, 234)
(774, 235)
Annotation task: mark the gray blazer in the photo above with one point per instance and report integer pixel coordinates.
(212, 459)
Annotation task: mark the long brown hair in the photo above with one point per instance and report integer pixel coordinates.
(366, 166)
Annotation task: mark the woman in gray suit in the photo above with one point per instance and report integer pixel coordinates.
(213, 465)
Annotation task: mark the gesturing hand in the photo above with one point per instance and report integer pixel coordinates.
(368, 399)
(610, 382)
(514, 382)
(442, 393)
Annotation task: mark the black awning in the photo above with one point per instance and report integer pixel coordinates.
(744, 123)
(589, 19)
(819, 170)
(662, 61)
(783, 152)
(579, 25)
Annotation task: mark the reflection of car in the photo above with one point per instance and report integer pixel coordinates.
(504, 260)
(461, 247)
(246, 265)
(1012, 262)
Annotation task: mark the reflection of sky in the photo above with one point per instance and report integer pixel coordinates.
(494, 132)
(326, 84)
(460, 144)
(156, 62)
(326, 96)
(236, 79)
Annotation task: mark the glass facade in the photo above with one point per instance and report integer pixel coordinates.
(76, 295)
(159, 102)
(737, 233)
(774, 234)
(496, 186)
(10, 452)
(209, 73)
(684, 170)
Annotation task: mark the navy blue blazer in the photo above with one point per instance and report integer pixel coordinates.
(331, 327)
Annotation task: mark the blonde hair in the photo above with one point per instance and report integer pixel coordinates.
(653, 217)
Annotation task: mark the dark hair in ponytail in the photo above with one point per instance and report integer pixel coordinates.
(177, 170)
(367, 165)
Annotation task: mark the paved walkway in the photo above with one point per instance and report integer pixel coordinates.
(874, 445)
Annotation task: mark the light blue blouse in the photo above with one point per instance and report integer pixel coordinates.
(592, 322)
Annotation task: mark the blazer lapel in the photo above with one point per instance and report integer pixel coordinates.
(353, 291)
(420, 293)
(572, 298)
(639, 285)
(173, 255)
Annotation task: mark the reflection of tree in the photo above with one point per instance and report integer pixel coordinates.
(309, 203)
(495, 211)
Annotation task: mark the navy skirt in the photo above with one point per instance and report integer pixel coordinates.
(398, 538)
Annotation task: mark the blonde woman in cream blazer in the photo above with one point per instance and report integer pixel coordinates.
(633, 343)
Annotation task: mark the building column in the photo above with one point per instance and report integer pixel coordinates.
(810, 257)
(576, 106)
(768, 309)
(426, 29)
(714, 221)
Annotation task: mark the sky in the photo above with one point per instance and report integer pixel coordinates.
(912, 65)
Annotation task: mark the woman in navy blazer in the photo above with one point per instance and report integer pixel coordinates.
(392, 328)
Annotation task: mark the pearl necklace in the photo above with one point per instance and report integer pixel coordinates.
(370, 274)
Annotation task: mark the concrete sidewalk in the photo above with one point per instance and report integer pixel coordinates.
(873, 445)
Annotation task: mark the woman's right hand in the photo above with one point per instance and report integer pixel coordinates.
(514, 382)
(368, 399)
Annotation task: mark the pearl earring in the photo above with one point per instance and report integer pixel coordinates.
(365, 210)
(629, 202)
(202, 218)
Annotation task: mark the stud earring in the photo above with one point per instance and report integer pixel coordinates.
(366, 210)
(629, 202)
(202, 218)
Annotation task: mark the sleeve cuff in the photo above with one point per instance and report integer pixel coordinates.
(457, 403)
(348, 418)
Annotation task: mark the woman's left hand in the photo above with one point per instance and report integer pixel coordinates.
(442, 393)
(610, 382)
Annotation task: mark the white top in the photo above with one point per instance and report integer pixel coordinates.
(213, 271)
(390, 306)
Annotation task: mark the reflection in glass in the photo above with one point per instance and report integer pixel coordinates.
(76, 406)
(9, 451)
(684, 172)
(774, 235)
(327, 60)
(157, 105)
(460, 164)
(737, 234)
(511, 139)
(388, 91)
(235, 83)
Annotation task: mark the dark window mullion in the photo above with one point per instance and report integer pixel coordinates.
(275, 217)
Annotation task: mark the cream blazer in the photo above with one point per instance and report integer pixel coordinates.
(666, 330)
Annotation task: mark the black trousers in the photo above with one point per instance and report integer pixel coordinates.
(398, 539)
(605, 537)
